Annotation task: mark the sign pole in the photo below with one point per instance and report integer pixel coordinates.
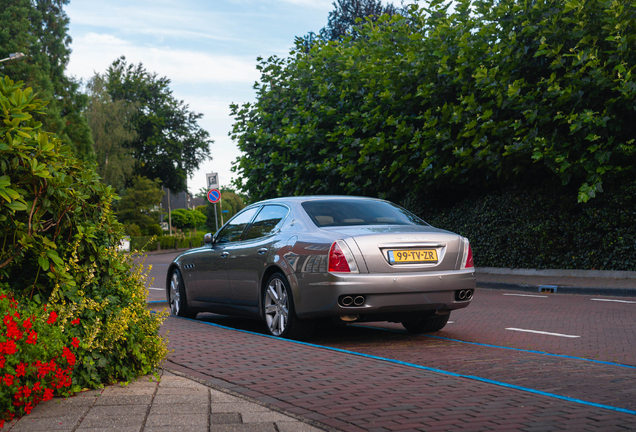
(221, 205)
(216, 221)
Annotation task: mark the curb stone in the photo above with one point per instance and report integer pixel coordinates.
(561, 289)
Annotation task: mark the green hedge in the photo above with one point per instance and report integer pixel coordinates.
(149, 243)
(541, 227)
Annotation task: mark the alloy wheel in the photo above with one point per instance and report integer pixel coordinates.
(175, 297)
(276, 307)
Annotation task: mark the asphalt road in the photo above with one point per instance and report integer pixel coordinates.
(568, 347)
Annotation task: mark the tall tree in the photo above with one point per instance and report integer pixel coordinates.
(39, 29)
(169, 143)
(111, 123)
(140, 202)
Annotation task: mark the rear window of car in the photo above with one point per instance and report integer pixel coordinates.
(343, 212)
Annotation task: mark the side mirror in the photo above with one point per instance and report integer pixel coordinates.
(207, 239)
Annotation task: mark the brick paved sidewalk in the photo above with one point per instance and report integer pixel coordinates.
(175, 403)
(354, 393)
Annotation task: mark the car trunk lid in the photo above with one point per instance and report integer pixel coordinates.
(404, 248)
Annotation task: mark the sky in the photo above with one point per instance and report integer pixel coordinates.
(208, 49)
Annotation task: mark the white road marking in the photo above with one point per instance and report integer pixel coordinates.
(527, 295)
(156, 289)
(542, 332)
(617, 301)
(451, 322)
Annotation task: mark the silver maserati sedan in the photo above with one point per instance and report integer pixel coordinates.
(294, 261)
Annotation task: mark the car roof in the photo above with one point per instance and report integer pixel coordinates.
(304, 198)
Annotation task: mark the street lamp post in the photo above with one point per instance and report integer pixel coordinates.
(13, 56)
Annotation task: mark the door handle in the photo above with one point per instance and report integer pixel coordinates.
(225, 254)
(261, 251)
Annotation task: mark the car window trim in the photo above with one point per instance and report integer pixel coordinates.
(282, 221)
(246, 226)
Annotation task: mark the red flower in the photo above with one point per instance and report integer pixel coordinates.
(27, 324)
(8, 347)
(44, 368)
(52, 318)
(8, 379)
(2, 359)
(69, 356)
(32, 338)
(75, 342)
(75, 321)
(48, 394)
(20, 370)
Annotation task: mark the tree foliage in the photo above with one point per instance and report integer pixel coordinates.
(110, 123)
(490, 93)
(347, 15)
(39, 29)
(140, 202)
(169, 144)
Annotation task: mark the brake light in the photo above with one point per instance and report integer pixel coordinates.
(337, 260)
(469, 258)
(341, 259)
(467, 255)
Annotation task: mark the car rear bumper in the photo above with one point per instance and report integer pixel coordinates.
(382, 293)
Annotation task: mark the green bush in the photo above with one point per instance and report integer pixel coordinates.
(541, 226)
(187, 219)
(149, 243)
(59, 246)
(154, 230)
(132, 229)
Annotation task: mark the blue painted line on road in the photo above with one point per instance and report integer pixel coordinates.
(429, 369)
(506, 348)
(157, 301)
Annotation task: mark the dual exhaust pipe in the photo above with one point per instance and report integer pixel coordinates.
(464, 295)
(352, 301)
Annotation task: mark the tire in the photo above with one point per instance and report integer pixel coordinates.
(176, 296)
(426, 324)
(278, 311)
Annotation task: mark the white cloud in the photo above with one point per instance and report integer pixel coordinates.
(95, 52)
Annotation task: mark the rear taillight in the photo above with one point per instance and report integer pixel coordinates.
(468, 256)
(341, 259)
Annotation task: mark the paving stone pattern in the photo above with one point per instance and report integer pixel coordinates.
(353, 393)
(173, 404)
(607, 330)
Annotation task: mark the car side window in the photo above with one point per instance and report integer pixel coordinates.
(266, 222)
(235, 227)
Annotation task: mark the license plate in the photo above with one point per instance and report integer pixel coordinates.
(412, 256)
